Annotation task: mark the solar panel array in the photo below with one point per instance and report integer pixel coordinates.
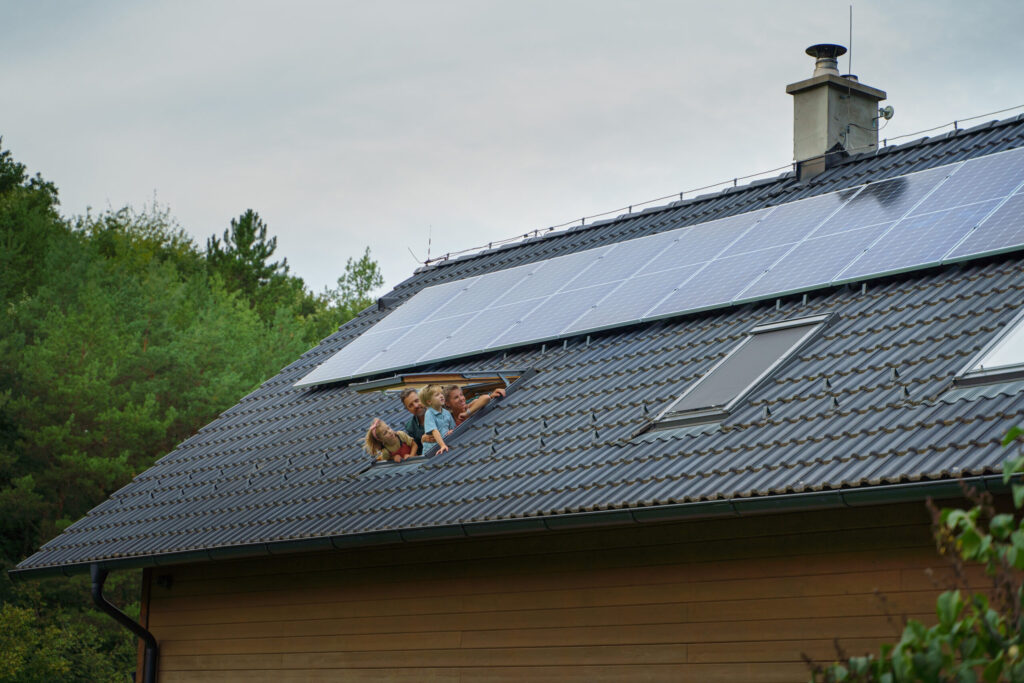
(950, 213)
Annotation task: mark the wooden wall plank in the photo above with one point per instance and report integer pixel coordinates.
(704, 601)
(658, 535)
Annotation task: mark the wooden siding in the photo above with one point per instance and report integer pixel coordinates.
(722, 600)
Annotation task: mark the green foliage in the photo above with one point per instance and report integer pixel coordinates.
(977, 637)
(119, 338)
(361, 277)
(66, 647)
(243, 262)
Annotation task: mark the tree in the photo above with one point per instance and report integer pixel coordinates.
(979, 636)
(360, 278)
(119, 338)
(242, 259)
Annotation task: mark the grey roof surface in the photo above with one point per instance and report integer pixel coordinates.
(283, 469)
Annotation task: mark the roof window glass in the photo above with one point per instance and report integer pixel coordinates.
(1002, 360)
(764, 350)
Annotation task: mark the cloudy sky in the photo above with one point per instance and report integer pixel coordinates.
(354, 124)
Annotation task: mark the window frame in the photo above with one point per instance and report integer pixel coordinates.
(669, 418)
(975, 375)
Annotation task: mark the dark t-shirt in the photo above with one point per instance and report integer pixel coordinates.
(414, 429)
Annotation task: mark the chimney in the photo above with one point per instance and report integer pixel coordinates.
(833, 115)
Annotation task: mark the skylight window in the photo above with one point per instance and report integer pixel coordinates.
(1002, 360)
(712, 397)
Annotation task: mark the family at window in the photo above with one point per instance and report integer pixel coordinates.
(435, 413)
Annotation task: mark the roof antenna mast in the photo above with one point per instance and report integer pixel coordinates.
(849, 55)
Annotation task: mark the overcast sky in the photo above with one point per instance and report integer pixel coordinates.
(354, 124)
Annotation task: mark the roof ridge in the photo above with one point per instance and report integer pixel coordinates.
(756, 183)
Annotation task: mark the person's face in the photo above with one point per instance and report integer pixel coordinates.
(437, 400)
(413, 405)
(456, 401)
(384, 432)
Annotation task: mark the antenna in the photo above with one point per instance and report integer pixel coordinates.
(430, 235)
(849, 55)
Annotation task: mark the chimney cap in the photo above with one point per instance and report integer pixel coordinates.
(826, 58)
(826, 50)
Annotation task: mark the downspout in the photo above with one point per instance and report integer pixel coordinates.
(99, 577)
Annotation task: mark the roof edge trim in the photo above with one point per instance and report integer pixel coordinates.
(729, 507)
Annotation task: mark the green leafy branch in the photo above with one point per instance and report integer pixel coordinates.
(978, 637)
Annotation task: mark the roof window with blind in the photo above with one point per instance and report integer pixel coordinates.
(716, 394)
(1002, 359)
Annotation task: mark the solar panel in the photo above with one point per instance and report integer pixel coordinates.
(353, 357)
(883, 202)
(557, 274)
(418, 341)
(627, 258)
(918, 241)
(1001, 231)
(989, 177)
(425, 302)
(719, 282)
(950, 213)
(487, 290)
(787, 224)
(813, 262)
(477, 333)
(632, 298)
(551, 317)
(702, 242)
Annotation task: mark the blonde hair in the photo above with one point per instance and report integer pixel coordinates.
(373, 445)
(428, 392)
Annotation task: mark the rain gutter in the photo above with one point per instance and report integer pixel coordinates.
(640, 514)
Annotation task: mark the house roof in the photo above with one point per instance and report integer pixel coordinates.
(283, 470)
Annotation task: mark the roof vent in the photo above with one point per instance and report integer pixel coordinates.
(826, 57)
(833, 115)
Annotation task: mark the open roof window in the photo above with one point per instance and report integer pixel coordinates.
(472, 383)
(1002, 360)
(712, 397)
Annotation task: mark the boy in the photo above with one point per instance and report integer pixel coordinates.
(437, 421)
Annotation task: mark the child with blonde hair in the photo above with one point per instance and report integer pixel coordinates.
(384, 443)
(437, 421)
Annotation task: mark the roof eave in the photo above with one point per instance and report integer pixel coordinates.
(708, 509)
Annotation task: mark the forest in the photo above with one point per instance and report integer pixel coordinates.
(120, 336)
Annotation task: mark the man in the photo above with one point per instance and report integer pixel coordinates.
(414, 427)
(455, 401)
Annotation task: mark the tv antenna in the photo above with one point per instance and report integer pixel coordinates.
(849, 55)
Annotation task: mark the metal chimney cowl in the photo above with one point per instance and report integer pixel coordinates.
(833, 115)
